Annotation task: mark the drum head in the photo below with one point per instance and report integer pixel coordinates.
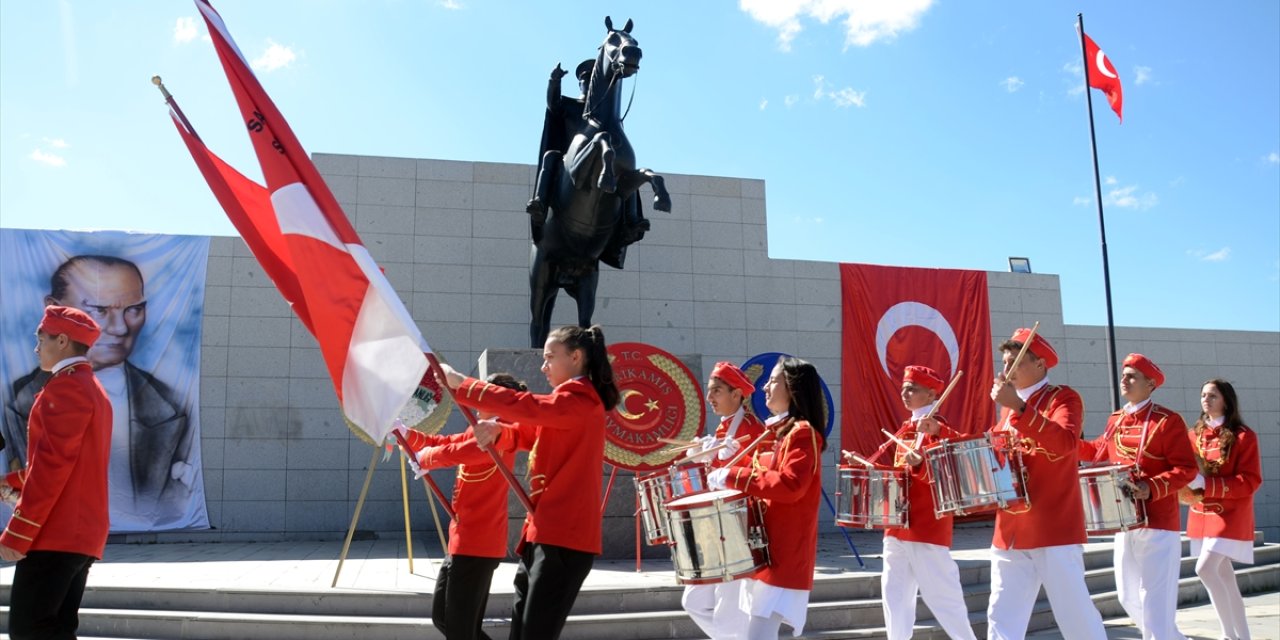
(702, 499)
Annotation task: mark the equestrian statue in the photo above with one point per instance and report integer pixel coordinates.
(586, 205)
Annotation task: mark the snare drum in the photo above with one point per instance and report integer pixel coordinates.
(686, 478)
(1108, 507)
(976, 474)
(652, 491)
(713, 538)
(871, 497)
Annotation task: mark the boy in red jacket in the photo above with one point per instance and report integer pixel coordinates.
(59, 526)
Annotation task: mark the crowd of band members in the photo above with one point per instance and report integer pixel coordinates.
(1214, 467)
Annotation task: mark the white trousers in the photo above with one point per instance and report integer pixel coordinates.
(1219, 580)
(911, 567)
(714, 607)
(1016, 578)
(1147, 566)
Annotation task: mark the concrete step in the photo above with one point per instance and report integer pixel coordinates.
(843, 606)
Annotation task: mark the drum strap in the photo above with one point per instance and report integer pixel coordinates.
(736, 422)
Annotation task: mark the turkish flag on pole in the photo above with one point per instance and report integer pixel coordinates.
(371, 346)
(894, 317)
(1102, 75)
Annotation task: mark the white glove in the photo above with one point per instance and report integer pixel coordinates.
(704, 442)
(8, 494)
(1197, 483)
(717, 477)
(399, 427)
(732, 446)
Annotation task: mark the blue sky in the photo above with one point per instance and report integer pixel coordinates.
(905, 132)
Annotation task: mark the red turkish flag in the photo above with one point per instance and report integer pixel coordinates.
(1102, 75)
(894, 317)
(372, 348)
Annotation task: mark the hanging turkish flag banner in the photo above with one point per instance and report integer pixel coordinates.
(894, 317)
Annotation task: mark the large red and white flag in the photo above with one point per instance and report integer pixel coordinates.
(297, 230)
(1102, 75)
(894, 317)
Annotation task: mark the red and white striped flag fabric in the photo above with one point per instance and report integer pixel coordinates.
(371, 346)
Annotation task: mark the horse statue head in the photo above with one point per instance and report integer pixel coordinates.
(585, 206)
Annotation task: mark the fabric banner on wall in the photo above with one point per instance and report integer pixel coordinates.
(147, 293)
(894, 317)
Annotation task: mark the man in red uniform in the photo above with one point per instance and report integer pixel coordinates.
(1154, 440)
(917, 558)
(1040, 544)
(714, 607)
(59, 526)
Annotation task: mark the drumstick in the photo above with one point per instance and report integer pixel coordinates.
(675, 441)
(703, 453)
(1021, 352)
(857, 458)
(945, 393)
(900, 441)
(747, 449)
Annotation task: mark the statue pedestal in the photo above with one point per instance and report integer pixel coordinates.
(619, 519)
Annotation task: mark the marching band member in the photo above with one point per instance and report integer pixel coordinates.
(789, 481)
(1220, 523)
(1153, 439)
(714, 607)
(59, 526)
(564, 432)
(478, 532)
(918, 558)
(1040, 544)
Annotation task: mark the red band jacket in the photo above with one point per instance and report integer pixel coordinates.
(789, 481)
(1167, 462)
(479, 527)
(1047, 432)
(63, 504)
(564, 433)
(922, 524)
(1234, 475)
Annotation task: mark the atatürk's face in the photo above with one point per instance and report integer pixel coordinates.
(112, 296)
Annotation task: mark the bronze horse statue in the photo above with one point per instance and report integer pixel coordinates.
(586, 204)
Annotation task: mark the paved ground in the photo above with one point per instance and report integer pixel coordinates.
(382, 565)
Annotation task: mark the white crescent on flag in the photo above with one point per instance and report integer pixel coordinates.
(1104, 65)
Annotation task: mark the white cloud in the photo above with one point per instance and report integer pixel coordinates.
(47, 158)
(1129, 198)
(790, 100)
(864, 21)
(804, 220)
(1109, 180)
(452, 5)
(1012, 83)
(1273, 157)
(842, 98)
(847, 97)
(184, 30)
(1081, 200)
(1141, 74)
(56, 143)
(764, 103)
(277, 56)
(1205, 255)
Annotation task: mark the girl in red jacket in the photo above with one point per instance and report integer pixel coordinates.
(478, 532)
(788, 479)
(1220, 524)
(564, 433)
